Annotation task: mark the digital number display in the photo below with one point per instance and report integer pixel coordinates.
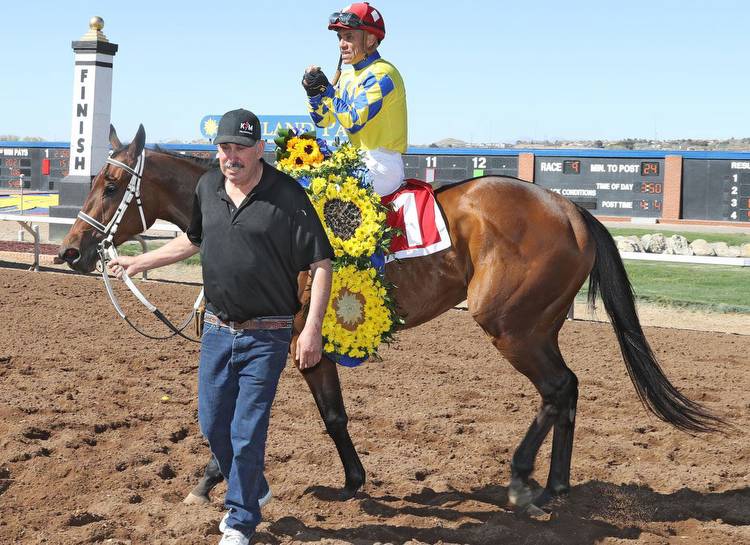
(572, 166)
(649, 168)
(651, 187)
(649, 205)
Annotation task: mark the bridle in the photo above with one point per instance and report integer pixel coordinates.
(107, 250)
(133, 190)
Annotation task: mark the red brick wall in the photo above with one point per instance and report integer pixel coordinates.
(672, 187)
(526, 166)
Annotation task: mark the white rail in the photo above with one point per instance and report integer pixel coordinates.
(31, 225)
(698, 259)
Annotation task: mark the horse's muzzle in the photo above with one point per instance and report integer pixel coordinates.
(72, 256)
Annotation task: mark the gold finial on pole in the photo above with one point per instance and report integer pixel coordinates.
(95, 34)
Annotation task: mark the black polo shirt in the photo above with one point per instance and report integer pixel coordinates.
(251, 255)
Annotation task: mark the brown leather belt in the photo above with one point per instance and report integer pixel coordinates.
(259, 323)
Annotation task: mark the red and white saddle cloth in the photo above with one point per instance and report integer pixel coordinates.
(414, 211)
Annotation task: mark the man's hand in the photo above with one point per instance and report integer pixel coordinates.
(309, 347)
(124, 263)
(314, 81)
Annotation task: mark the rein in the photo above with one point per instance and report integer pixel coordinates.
(107, 252)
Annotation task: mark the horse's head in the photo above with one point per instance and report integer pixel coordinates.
(79, 248)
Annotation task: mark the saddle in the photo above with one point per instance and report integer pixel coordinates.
(414, 211)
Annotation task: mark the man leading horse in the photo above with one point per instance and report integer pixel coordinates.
(256, 231)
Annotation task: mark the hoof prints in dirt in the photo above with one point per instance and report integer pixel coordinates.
(166, 472)
(26, 456)
(82, 519)
(101, 428)
(36, 433)
(178, 435)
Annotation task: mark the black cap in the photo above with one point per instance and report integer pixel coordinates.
(238, 127)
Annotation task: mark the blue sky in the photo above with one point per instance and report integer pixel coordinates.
(481, 71)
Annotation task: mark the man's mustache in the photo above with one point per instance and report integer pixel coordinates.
(234, 164)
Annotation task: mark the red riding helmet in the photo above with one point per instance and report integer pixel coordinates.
(359, 16)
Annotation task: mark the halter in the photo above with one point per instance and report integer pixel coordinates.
(107, 250)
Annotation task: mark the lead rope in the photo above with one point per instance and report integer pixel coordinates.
(107, 251)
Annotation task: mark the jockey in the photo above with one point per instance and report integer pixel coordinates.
(368, 101)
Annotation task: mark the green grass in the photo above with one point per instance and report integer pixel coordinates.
(715, 288)
(732, 239)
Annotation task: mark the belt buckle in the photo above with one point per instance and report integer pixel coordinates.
(232, 330)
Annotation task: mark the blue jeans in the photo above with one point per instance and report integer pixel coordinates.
(237, 379)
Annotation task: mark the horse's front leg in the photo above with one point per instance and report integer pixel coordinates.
(323, 381)
(211, 477)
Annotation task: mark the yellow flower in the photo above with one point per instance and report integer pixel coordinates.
(357, 235)
(356, 317)
(317, 185)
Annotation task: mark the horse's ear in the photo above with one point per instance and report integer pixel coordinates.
(138, 143)
(113, 140)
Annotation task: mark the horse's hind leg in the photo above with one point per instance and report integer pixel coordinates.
(541, 362)
(323, 381)
(558, 481)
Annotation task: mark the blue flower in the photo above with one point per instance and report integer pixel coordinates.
(378, 261)
(304, 181)
(346, 361)
(324, 149)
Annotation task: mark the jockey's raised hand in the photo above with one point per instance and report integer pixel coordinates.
(314, 81)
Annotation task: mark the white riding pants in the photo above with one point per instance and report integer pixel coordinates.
(386, 169)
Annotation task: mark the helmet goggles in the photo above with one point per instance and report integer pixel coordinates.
(347, 19)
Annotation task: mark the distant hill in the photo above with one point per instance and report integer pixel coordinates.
(730, 144)
(450, 143)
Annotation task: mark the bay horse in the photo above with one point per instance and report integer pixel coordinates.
(520, 254)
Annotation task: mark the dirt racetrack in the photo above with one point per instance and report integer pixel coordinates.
(90, 453)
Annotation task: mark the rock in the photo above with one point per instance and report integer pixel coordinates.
(701, 247)
(645, 239)
(722, 249)
(635, 242)
(657, 244)
(628, 246)
(678, 245)
(745, 250)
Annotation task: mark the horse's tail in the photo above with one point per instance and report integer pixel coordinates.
(608, 278)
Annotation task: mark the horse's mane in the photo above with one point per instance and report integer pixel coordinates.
(200, 161)
(208, 162)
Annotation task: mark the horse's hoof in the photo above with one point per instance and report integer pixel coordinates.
(348, 492)
(519, 494)
(195, 499)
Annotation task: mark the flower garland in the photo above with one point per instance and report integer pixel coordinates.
(356, 320)
(352, 215)
(360, 313)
